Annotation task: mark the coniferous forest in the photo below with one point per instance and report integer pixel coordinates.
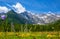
(5, 25)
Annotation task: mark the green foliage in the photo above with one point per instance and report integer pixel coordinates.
(5, 25)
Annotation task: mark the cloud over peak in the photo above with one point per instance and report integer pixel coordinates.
(19, 8)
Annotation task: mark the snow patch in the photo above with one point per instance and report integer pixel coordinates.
(19, 8)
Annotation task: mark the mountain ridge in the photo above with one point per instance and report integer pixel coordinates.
(29, 18)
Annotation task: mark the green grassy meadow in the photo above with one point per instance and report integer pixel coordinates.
(9, 30)
(29, 35)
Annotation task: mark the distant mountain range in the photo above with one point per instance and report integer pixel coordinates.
(18, 14)
(30, 18)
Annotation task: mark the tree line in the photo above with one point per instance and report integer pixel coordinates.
(16, 27)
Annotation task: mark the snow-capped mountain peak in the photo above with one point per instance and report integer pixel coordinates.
(19, 8)
(19, 13)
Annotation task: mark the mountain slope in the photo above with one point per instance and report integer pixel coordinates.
(17, 18)
(29, 18)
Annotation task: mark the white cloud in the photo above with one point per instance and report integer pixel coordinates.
(19, 8)
(3, 9)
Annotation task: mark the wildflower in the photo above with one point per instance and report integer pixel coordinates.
(10, 33)
(28, 34)
(33, 35)
(1, 33)
(3, 17)
(49, 35)
(22, 35)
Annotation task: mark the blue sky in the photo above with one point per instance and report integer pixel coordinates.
(36, 6)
